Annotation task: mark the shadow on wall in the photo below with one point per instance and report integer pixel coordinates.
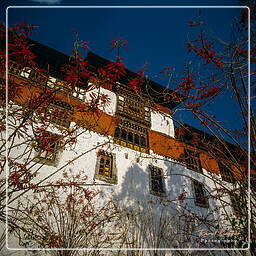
(194, 218)
(134, 190)
(135, 193)
(163, 222)
(152, 221)
(180, 180)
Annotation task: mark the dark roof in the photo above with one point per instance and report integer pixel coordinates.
(52, 60)
(151, 88)
(206, 140)
(49, 59)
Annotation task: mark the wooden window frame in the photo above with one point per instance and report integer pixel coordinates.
(132, 107)
(192, 160)
(49, 157)
(106, 171)
(141, 145)
(154, 179)
(200, 197)
(134, 114)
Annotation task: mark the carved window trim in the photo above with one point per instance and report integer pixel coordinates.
(105, 169)
(156, 181)
(192, 160)
(49, 157)
(36, 76)
(133, 107)
(135, 120)
(131, 139)
(200, 197)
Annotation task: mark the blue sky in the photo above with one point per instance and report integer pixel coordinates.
(156, 35)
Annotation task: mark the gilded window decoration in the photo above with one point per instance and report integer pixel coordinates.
(157, 184)
(60, 113)
(192, 160)
(105, 167)
(130, 135)
(200, 194)
(226, 173)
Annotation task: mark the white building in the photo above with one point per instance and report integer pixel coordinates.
(128, 150)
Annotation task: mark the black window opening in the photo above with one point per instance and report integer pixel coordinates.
(200, 194)
(123, 135)
(143, 141)
(136, 139)
(130, 137)
(157, 186)
(117, 133)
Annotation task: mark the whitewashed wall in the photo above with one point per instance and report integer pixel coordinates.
(132, 190)
(162, 122)
(109, 108)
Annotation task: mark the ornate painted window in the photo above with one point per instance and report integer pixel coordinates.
(157, 184)
(132, 136)
(226, 173)
(192, 160)
(105, 167)
(60, 113)
(134, 115)
(200, 194)
(38, 77)
(47, 147)
(132, 106)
